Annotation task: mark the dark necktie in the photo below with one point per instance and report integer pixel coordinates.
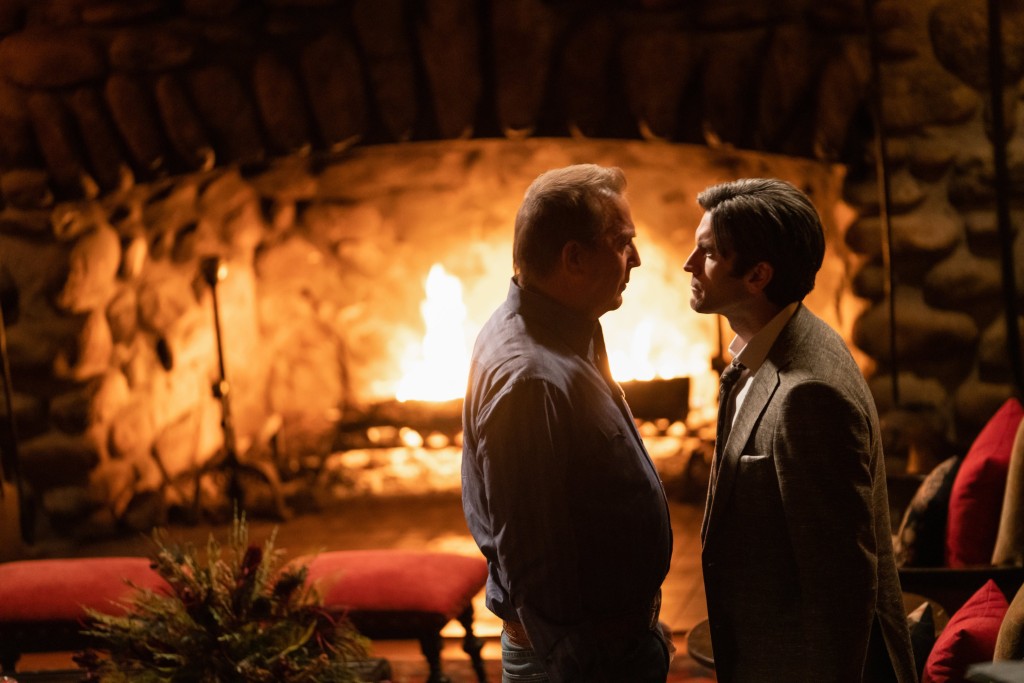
(727, 382)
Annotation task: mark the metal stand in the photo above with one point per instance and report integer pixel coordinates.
(227, 459)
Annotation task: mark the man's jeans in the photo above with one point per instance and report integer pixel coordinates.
(520, 663)
(646, 663)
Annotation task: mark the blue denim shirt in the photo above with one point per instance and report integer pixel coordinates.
(557, 487)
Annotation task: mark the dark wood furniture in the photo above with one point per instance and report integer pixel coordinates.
(698, 640)
(404, 595)
(698, 644)
(43, 602)
(951, 587)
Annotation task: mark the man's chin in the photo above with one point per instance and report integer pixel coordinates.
(614, 305)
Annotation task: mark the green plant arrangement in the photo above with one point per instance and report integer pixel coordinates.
(234, 617)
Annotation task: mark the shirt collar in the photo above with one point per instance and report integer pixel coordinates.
(753, 355)
(577, 330)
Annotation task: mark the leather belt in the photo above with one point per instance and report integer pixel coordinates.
(517, 634)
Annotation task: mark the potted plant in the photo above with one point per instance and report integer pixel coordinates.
(237, 616)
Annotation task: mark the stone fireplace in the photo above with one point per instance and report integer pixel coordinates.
(326, 261)
(334, 153)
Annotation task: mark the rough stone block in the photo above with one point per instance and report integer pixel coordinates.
(58, 142)
(89, 353)
(56, 459)
(50, 59)
(26, 188)
(964, 281)
(123, 315)
(101, 142)
(182, 125)
(449, 37)
(333, 81)
(122, 12)
(227, 110)
(380, 26)
(93, 266)
(920, 330)
(132, 108)
(524, 40)
(148, 49)
(17, 146)
(281, 105)
(658, 60)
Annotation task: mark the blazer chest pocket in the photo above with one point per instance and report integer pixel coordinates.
(755, 479)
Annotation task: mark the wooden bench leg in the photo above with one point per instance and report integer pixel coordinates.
(472, 645)
(431, 646)
(9, 656)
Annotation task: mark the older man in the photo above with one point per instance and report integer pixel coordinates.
(558, 489)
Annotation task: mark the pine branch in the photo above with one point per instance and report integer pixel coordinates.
(233, 616)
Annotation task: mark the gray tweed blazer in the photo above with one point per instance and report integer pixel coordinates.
(797, 550)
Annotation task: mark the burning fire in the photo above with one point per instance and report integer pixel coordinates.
(438, 369)
(653, 335)
(656, 335)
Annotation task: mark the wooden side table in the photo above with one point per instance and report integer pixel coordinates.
(698, 644)
(698, 640)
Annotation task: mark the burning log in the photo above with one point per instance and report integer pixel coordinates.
(658, 398)
(428, 415)
(383, 425)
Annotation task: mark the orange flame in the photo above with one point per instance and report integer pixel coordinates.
(653, 335)
(438, 369)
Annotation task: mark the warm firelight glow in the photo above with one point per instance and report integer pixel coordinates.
(672, 356)
(438, 368)
(656, 335)
(653, 335)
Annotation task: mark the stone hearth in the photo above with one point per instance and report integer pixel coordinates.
(114, 345)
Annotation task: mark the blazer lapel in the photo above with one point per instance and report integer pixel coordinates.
(763, 385)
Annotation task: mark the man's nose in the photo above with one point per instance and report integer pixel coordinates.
(690, 265)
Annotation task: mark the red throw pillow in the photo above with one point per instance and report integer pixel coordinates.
(976, 500)
(969, 637)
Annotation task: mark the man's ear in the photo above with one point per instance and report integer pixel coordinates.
(758, 277)
(573, 256)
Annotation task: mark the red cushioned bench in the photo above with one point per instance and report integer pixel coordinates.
(42, 602)
(402, 594)
(388, 595)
